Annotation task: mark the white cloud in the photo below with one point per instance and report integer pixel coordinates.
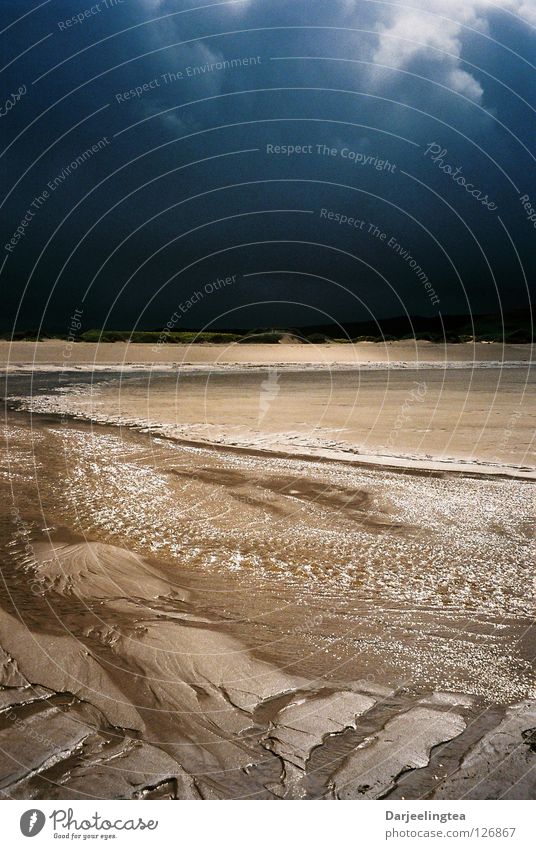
(526, 9)
(435, 30)
(409, 31)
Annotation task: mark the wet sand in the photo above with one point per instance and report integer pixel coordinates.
(185, 619)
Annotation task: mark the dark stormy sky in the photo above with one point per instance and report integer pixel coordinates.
(416, 120)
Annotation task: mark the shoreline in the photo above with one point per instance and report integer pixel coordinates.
(213, 430)
(225, 368)
(427, 467)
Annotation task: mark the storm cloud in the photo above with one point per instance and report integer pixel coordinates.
(151, 147)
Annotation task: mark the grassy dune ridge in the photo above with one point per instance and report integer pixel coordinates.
(514, 327)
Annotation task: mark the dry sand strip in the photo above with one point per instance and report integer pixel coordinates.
(54, 354)
(64, 747)
(278, 446)
(502, 765)
(303, 724)
(405, 743)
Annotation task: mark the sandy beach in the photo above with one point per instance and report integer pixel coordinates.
(54, 353)
(268, 582)
(268, 455)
